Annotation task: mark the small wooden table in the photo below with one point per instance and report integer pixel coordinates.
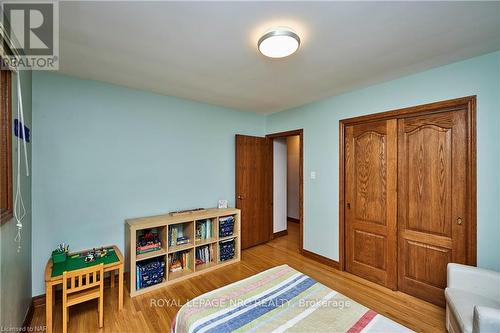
(51, 281)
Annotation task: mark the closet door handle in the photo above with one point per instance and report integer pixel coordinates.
(240, 197)
(459, 221)
(348, 205)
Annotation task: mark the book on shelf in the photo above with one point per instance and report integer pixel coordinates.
(204, 229)
(227, 249)
(182, 240)
(204, 254)
(148, 241)
(149, 246)
(226, 226)
(179, 261)
(149, 273)
(153, 249)
(176, 235)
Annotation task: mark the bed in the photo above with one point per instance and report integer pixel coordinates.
(277, 300)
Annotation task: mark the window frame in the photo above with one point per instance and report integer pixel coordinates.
(6, 194)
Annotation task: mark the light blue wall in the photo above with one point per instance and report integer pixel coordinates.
(15, 276)
(478, 76)
(104, 153)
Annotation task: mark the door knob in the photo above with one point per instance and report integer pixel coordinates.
(459, 221)
(348, 205)
(240, 197)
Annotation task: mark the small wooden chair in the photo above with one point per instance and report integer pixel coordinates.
(80, 286)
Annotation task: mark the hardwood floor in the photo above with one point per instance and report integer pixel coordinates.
(290, 242)
(154, 312)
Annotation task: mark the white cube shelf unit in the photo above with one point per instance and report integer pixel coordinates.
(188, 225)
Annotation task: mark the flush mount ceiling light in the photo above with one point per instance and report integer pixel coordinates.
(278, 43)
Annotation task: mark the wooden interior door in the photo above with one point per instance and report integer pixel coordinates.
(254, 188)
(370, 201)
(432, 195)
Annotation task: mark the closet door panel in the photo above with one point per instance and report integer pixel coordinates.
(429, 179)
(370, 176)
(432, 192)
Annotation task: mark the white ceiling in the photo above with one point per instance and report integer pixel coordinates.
(206, 51)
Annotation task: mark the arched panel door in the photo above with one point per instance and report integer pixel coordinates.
(370, 201)
(432, 194)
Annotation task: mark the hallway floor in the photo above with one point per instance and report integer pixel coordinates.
(290, 242)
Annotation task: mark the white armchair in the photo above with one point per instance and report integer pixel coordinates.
(472, 300)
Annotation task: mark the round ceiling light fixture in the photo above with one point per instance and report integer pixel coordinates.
(278, 42)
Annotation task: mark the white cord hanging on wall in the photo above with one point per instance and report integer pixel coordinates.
(19, 208)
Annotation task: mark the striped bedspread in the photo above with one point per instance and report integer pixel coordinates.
(277, 300)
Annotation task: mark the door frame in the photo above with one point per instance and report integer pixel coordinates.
(300, 133)
(469, 104)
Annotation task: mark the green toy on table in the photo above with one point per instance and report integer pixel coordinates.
(85, 259)
(60, 253)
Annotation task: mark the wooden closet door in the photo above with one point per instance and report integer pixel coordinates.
(370, 201)
(432, 207)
